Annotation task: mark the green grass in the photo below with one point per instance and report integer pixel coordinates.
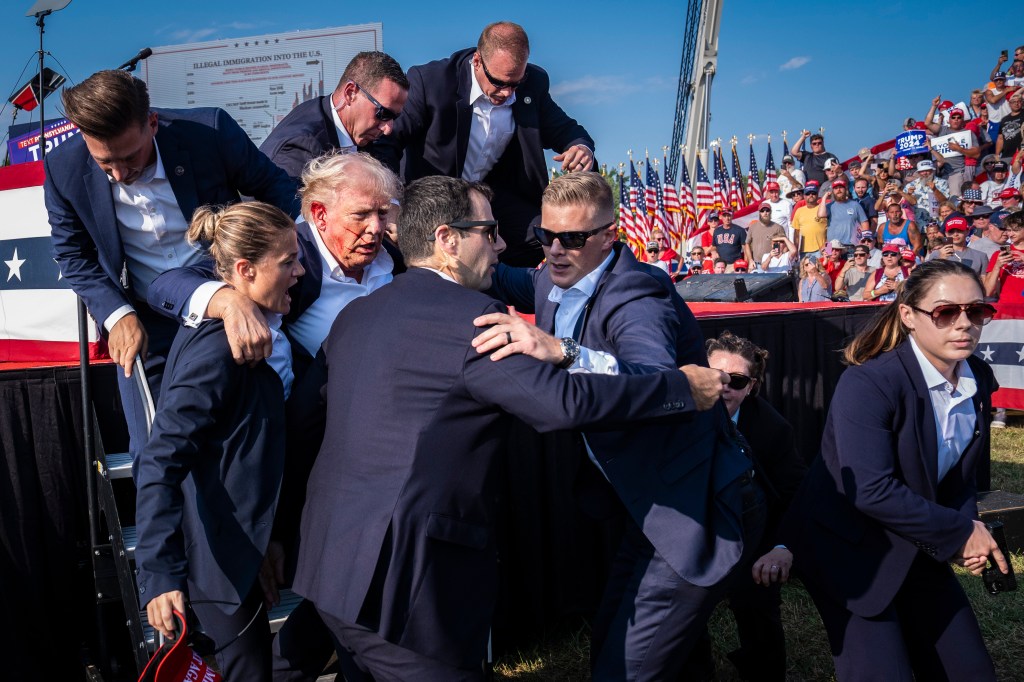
(564, 655)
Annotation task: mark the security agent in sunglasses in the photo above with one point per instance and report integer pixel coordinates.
(690, 510)
(486, 115)
(364, 106)
(891, 500)
(398, 549)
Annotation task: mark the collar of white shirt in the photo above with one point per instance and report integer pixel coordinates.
(587, 284)
(439, 273)
(476, 92)
(345, 142)
(966, 384)
(381, 265)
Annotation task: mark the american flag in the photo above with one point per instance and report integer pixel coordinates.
(785, 147)
(625, 214)
(770, 174)
(704, 196)
(753, 182)
(737, 196)
(719, 183)
(689, 209)
(638, 202)
(673, 209)
(653, 190)
(38, 309)
(1002, 347)
(660, 217)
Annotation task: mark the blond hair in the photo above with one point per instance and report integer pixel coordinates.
(325, 176)
(243, 231)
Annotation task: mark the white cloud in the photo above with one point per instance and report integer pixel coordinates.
(748, 79)
(195, 35)
(601, 89)
(794, 63)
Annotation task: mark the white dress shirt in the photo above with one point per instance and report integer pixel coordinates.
(345, 143)
(571, 303)
(152, 230)
(955, 418)
(337, 290)
(280, 359)
(490, 132)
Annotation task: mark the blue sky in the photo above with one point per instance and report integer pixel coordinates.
(857, 69)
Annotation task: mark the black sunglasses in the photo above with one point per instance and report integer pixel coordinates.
(382, 113)
(569, 240)
(765, 210)
(500, 84)
(738, 382)
(488, 228)
(978, 314)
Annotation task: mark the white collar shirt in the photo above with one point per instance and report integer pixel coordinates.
(953, 409)
(489, 133)
(152, 227)
(280, 359)
(345, 143)
(337, 290)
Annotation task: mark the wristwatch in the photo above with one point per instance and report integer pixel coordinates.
(571, 351)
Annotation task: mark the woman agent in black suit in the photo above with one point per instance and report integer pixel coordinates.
(210, 474)
(891, 500)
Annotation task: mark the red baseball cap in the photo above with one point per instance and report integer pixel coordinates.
(838, 183)
(908, 254)
(1009, 193)
(741, 264)
(177, 662)
(771, 186)
(956, 223)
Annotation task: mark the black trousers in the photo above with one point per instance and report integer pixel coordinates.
(650, 618)
(928, 632)
(242, 639)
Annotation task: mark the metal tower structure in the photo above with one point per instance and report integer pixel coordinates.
(696, 72)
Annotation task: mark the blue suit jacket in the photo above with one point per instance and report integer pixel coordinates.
(209, 476)
(872, 501)
(672, 478)
(398, 530)
(307, 132)
(208, 159)
(433, 134)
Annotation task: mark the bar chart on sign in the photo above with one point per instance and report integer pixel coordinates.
(259, 79)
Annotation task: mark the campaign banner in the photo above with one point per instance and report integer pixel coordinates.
(25, 148)
(38, 310)
(257, 80)
(1002, 347)
(911, 142)
(941, 144)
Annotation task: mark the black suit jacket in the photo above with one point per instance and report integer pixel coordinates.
(398, 530)
(308, 131)
(872, 502)
(208, 159)
(433, 134)
(672, 478)
(209, 476)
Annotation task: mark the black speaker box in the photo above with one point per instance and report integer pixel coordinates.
(1000, 505)
(738, 288)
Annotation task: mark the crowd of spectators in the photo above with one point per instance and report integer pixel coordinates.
(871, 220)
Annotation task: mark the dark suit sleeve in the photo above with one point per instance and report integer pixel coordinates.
(642, 325)
(294, 153)
(190, 402)
(75, 252)
(549, 399)
(514, 287)
(869, 468)
(250, 171)
(170, 291)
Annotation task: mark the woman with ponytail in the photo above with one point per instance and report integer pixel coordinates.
(209, 476)
(890, 502)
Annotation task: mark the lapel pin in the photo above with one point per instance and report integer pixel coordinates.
(527, 100)
(179, 170)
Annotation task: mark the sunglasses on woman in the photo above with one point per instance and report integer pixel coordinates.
(738, 382)
(978, 314)
(569, 240)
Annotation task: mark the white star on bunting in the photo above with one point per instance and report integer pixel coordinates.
(986, 354)
(15, 266)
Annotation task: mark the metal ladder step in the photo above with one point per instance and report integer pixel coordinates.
(119, 465)
(130, 535)
(278, 614)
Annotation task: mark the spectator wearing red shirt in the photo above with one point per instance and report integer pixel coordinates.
(1005, 278)
(835, 259)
